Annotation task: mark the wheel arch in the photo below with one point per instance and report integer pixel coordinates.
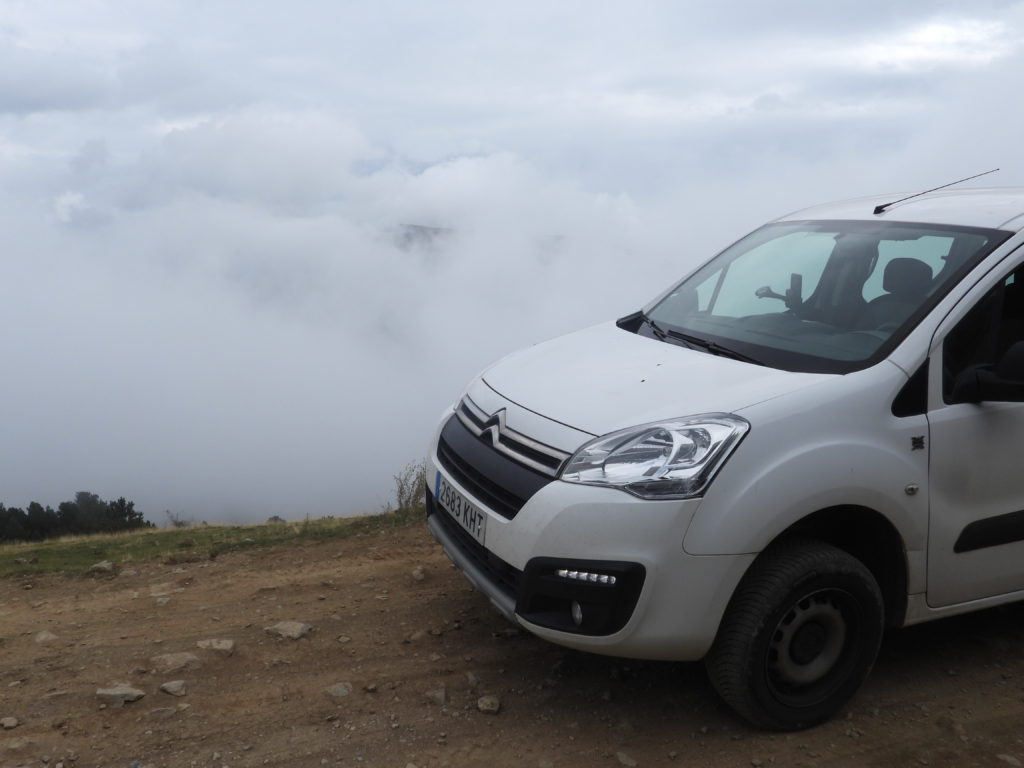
(868, 536)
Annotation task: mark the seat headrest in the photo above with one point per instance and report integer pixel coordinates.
(907, 277)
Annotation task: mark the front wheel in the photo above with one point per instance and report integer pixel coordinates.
(799, 636)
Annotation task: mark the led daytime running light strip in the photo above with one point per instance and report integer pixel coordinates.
(593, 578)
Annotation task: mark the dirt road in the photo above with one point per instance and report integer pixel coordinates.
(417, 649)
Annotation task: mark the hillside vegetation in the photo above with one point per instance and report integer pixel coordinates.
(115, 532)
(86, 514)
(75, 555)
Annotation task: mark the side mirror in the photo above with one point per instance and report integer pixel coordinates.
(1002, 384)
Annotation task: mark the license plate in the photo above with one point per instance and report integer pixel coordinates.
(458, 506)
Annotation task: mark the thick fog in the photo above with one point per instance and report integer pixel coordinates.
(251, 251)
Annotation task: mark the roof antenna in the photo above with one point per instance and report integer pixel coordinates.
(881, 208)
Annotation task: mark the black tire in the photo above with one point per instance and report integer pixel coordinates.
(799, 636)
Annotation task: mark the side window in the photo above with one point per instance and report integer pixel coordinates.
(992, 326)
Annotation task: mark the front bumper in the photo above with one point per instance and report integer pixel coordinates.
(592, 597)
(485, 571)
(667, 604)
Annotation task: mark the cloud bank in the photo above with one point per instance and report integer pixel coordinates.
(250, 254)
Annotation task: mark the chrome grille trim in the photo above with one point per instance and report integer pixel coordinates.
(504, 439)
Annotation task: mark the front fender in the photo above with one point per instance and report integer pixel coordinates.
(839, 446)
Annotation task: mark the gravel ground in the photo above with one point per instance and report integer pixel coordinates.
(401, 663)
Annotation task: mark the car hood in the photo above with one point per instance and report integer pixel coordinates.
(603, 378)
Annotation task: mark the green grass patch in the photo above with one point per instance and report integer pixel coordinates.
(74, 555)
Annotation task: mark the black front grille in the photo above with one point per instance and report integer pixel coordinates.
(497, 481)
(503, 575)
(517, 446)
(533, 454)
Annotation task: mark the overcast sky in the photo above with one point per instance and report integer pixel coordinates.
(219, 292)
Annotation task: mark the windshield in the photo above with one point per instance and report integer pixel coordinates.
(820, 296)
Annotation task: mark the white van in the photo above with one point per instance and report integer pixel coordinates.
(814, 436)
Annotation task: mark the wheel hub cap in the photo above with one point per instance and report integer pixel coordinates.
(808, 641)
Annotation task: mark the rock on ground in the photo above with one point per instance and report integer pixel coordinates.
(175, 662)
(118, 694)
(437, 695)
(290, 630)
(489, 705)
(339, 690)
(223, 647)
(175, 687)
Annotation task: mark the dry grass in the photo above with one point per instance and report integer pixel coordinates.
(74, 555)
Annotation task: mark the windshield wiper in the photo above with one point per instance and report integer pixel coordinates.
(695, 342)
(660, 332)
(669, 337)
(713, 347)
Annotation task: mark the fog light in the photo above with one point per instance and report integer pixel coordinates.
(577, 612)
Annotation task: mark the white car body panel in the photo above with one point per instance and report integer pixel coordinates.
(648, 380)
(975, 455)
(552, 433)
(832, 445)
(992, 207)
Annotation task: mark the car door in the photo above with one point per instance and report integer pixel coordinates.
(976, 471)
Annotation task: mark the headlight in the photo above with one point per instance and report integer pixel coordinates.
(666, 460)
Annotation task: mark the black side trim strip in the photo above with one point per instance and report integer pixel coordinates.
(991, 532)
